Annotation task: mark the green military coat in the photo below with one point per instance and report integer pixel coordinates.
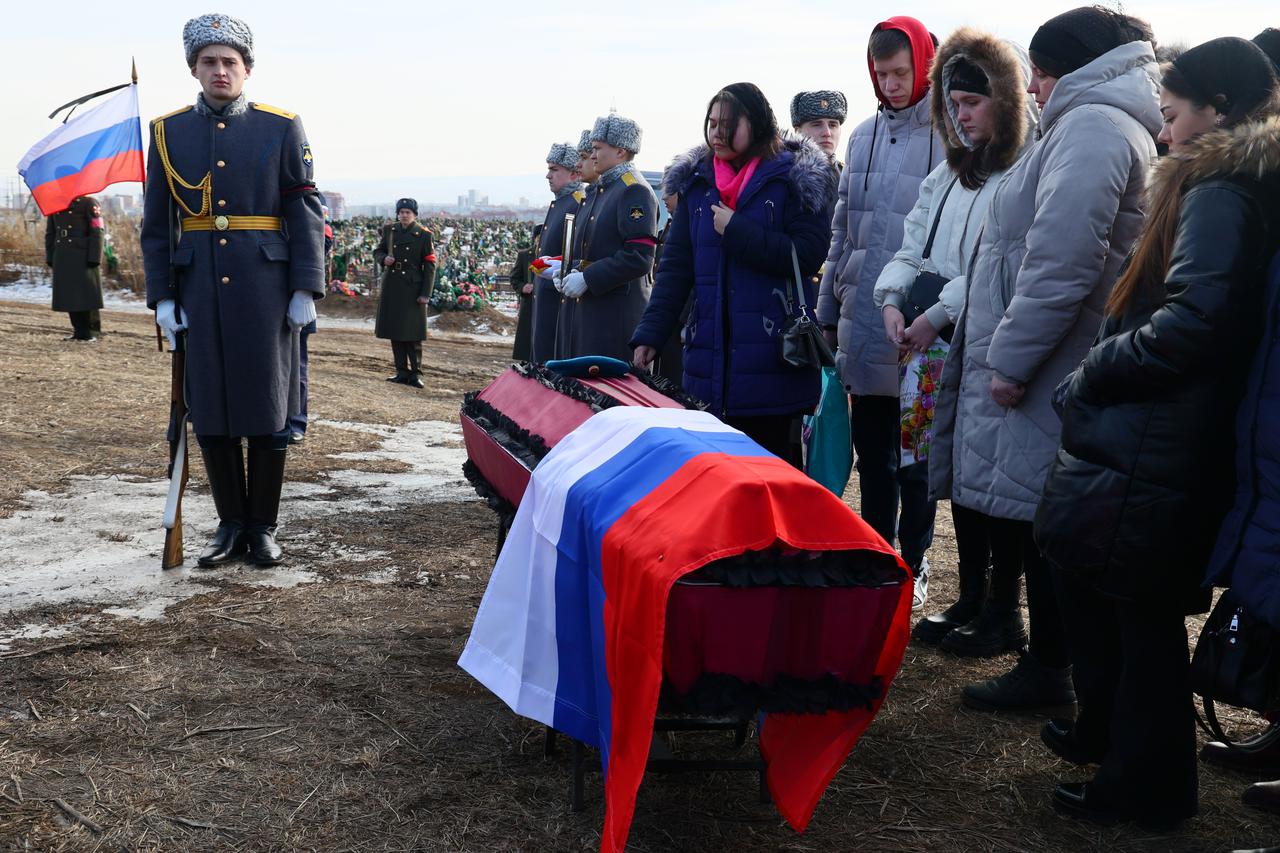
(520, 276)
(400, 316)
(73, 247)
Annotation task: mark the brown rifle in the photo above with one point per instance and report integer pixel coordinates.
(177, 437)
(177, 432)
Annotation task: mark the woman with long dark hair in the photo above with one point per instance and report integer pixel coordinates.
(1143, 477)
(748, 198)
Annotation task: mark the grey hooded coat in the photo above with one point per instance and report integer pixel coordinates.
(1056, 233)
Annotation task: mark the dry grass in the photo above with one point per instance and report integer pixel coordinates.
(22, 250)
(333, 716)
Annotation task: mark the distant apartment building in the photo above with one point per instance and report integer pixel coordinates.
(337, 204)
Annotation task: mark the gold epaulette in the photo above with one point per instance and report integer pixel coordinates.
(629, 179)
(172, 114)
(579, 196)
(267, 108)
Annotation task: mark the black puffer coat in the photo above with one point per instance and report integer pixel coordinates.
(1144, 477)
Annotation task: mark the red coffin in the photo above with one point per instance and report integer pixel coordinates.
(510, 425)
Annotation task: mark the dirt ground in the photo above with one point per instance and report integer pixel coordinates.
(331, 716)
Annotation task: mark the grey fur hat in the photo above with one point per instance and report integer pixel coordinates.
(584, 143)
(216, 28)
(563, 154)
(807, 106)
(618, 131)
(407, 204)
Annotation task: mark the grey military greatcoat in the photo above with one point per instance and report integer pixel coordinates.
(615, 235)
(546, 299)
(249, 234)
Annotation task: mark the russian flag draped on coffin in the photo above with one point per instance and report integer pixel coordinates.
(97, 148)
(571, 628)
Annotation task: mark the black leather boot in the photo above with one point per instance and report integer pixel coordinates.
(415, 364)
(266, 477)
(973, 591)
(1259, 754)
(1029, 688)
(994, 631)
(400, 356)
(224, 466)
(998, 628)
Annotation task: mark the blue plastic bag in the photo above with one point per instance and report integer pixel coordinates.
(828, 456)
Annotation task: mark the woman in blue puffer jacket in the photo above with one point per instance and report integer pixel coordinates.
(746, 198)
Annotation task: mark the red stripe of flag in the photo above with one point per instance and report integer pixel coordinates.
(97, 175)
(758, 501)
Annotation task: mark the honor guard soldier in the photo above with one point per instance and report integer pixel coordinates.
(562, 177)
(586, 166)
(615, 235)
(408, 259)
(233, 251)
(73, 248)
(820, 116)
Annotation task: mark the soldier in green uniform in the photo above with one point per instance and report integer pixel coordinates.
(409, 272)
(522, 285)
(73, 248)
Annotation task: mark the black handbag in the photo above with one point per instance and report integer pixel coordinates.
(927, 286)
(802, 342)
(1237, 663)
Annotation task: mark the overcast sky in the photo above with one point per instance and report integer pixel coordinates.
(464, 89)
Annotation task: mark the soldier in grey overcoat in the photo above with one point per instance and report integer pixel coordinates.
(566, 185)
(615, 237)
(73, 248)
(233, 253)
(407, 256)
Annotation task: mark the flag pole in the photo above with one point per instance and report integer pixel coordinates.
(134, 60)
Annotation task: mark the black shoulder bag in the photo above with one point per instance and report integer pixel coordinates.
(1237, 663)
(927, 286)
(801, 339)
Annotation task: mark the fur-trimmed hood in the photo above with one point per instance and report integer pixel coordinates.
(1250, 150)
(812, 173)
(1008, 71)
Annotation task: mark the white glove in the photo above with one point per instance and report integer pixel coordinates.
(302, 309)
(574, 285)
(169, 321)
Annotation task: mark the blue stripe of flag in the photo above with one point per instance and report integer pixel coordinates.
(583, 694)
(73, 156)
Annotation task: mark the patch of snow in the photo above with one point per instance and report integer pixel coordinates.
(100, 542)
(40, 291)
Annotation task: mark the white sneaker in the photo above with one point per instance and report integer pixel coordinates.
(921, 593)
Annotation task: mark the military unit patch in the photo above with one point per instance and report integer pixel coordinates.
(637, 213)
(306, 153)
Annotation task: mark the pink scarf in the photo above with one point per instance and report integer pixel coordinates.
(731, 185)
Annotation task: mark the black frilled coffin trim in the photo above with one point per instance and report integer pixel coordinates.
(779, 567)
(716, 695)
(484, 489)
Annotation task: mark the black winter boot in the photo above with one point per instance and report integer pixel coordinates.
(415, 364)
(266, 477)
(1029, 688)
(400, 356)
(993, 632)
(973, 591)
(224, 466)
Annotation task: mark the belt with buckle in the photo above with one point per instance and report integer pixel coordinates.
(232, 223)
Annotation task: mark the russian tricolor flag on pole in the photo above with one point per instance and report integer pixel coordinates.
(571, 628)
(99, 147)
